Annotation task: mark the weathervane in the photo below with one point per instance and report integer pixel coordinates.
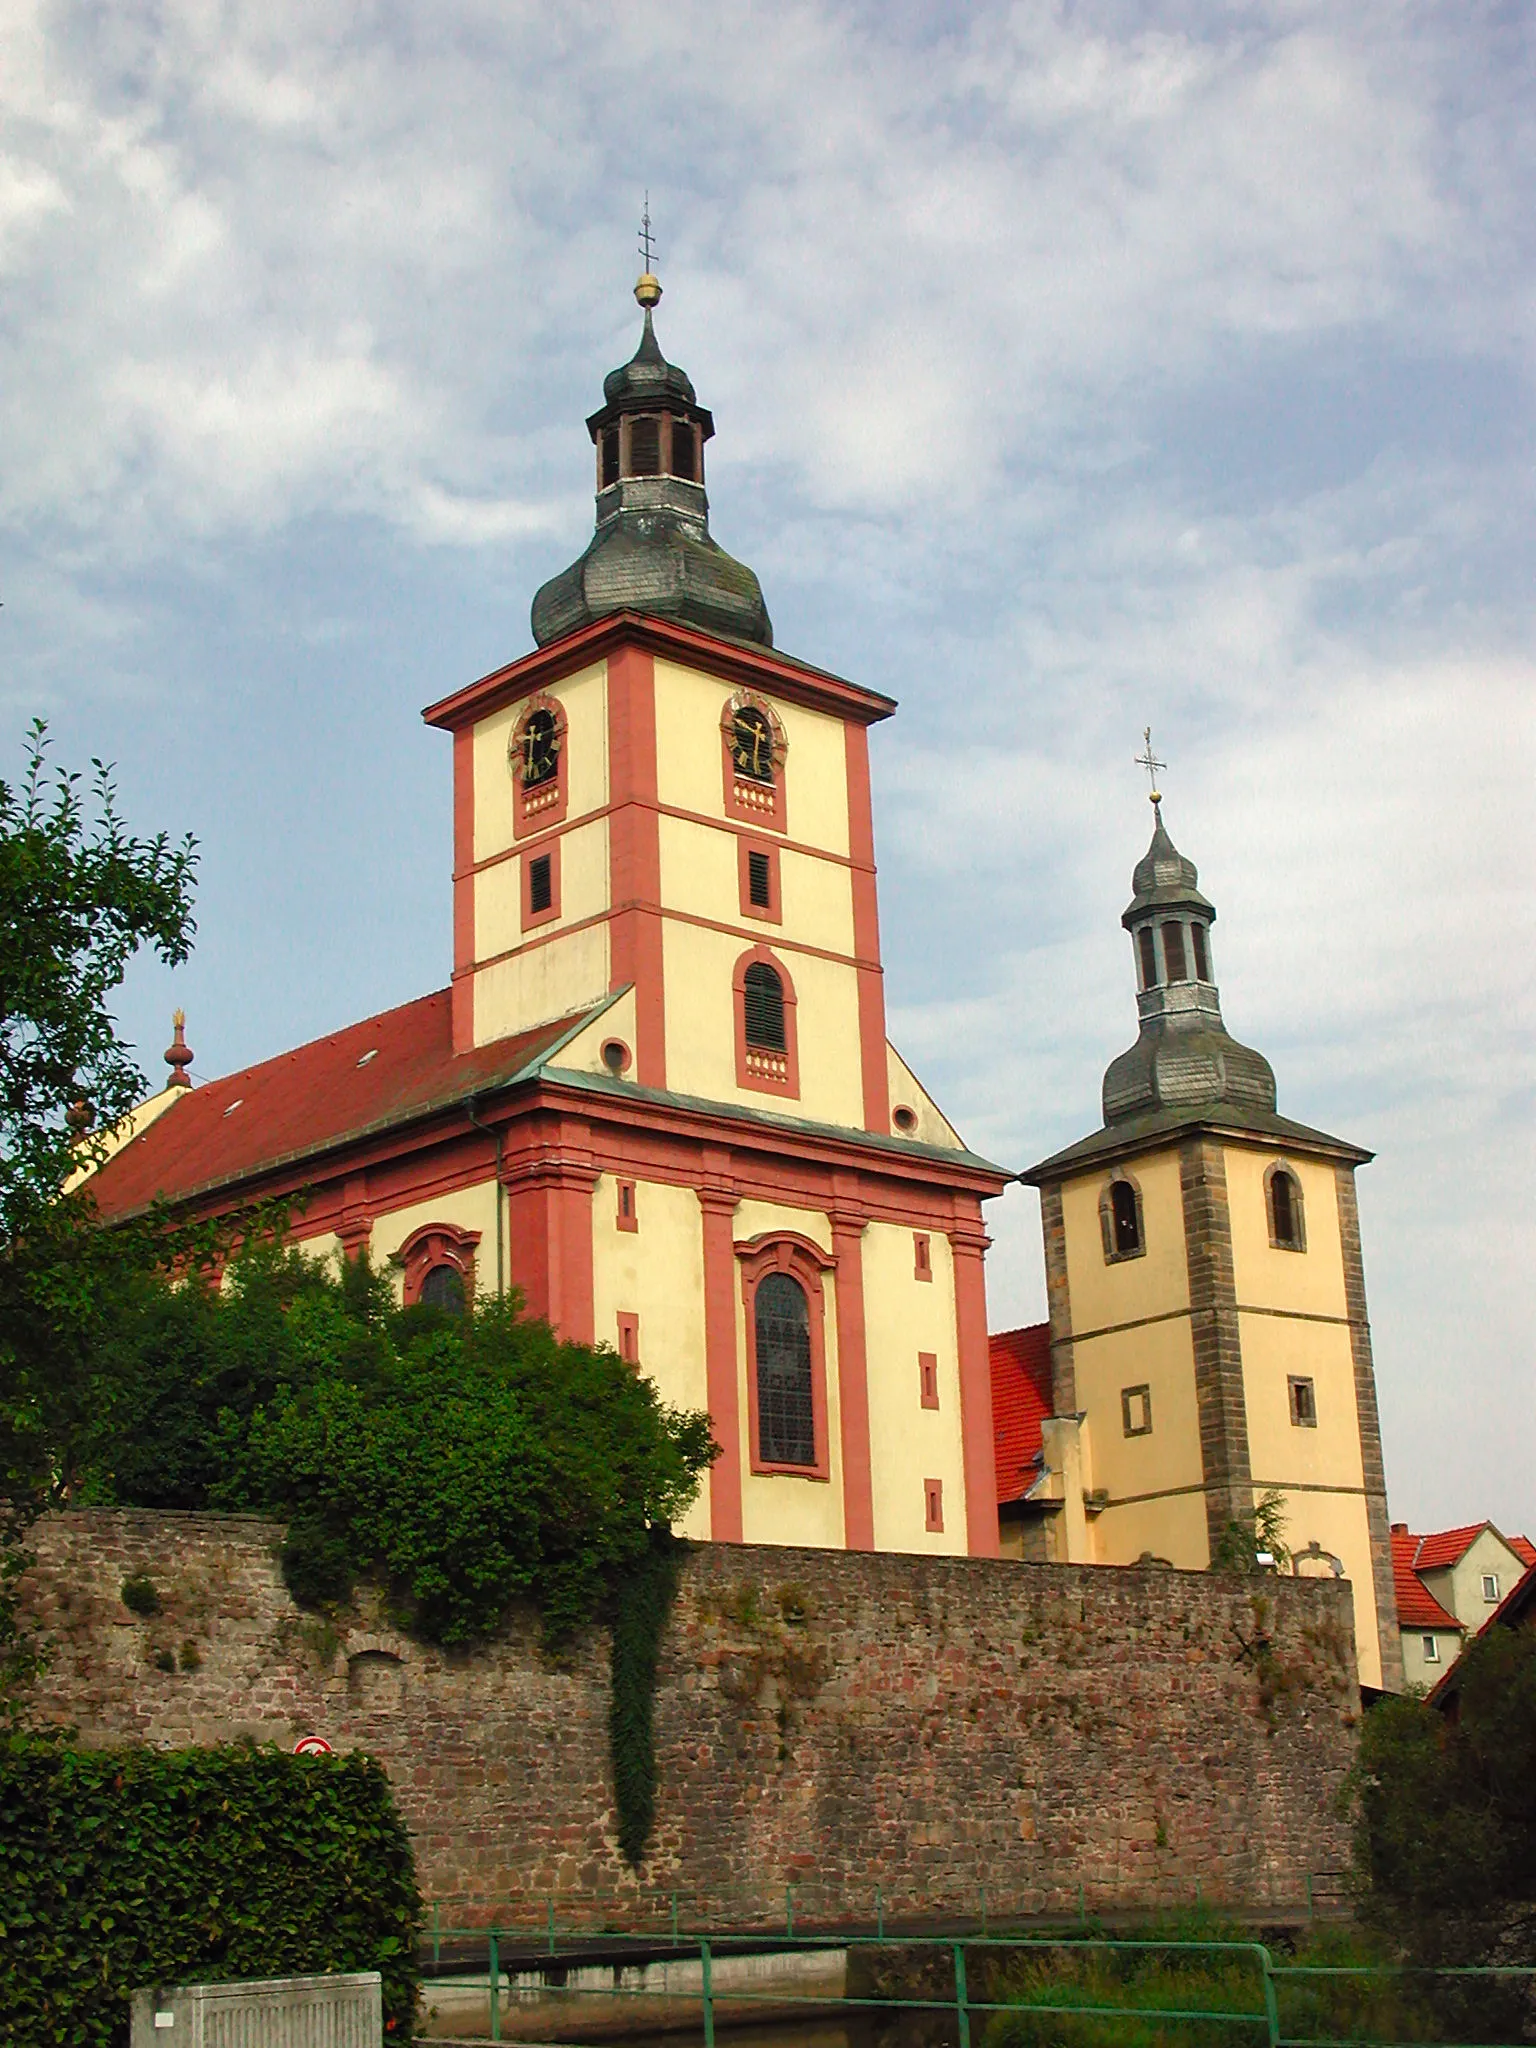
(1151, 763)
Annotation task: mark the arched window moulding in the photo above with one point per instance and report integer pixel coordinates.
(1121, 1219)
(434, 1245)
(776, 1071)
(1284, 1208)
(803, 1261)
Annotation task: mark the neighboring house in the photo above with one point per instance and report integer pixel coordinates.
(1516, 1610)
(1449, 1584)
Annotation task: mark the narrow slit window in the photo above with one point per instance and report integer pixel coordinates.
(1202, 958)
(759, 881)
(933, 1506)
(1173, 952)
(629, 1338)
(1303, 1403)
(541, 886)
(786, 1416)
(628, 1216)
(685, 459)
(764, 1006)
(1136, 1410)
(1148, 951)
(645, 445)
(610, 470)
(928, 1378)
(922, 1256)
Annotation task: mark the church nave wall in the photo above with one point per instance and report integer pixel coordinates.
(906, 1319)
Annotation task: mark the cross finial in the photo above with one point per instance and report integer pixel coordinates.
(1151, 763)
(646, 245)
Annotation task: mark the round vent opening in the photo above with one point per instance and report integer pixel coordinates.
(616, 1056)
(904, 1119)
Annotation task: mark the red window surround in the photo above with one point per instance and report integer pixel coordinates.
(746, 798)
(629, 1338)
(922, 1256)
(775, 1072)
(627, 1216)
(541, 884)
(928, 1378)
(933, 1506)
(436, 1244)
(803, 1260)
(544, 804)
(757, 862)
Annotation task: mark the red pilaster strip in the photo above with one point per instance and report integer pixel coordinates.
(463, 888)
(853, 1380)
(968, 1242)
(634, 853)
(866, 933)
(723, 1373)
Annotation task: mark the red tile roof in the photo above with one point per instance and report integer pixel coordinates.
(1523, 1548)
(1446, 1546)
(1021, 1401)
(1417, 1607)
(370, 1077)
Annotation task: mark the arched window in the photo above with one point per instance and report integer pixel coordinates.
(1120, 1219)
(1202, 957)
(1287, 1223)
(763, 1012)
(765, 1024)
(443, 1288)
(781, 1281)
(1148, 953)
(645, 445)
(1173, 952)
(786, 1427)
(685, 451)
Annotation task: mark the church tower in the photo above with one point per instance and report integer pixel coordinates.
(1209, 1340)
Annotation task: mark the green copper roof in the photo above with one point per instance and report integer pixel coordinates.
(651, 549)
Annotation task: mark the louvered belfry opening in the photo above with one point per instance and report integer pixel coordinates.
(759, 881)
(1173, 952)
(541, 890)
(685, 451)
(764, 1005)
(786, 1419)
(645, 445)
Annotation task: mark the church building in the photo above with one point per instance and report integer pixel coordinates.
(1208, 1343)
(657, 1095)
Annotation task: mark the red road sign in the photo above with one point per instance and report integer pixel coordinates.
(312, 1745)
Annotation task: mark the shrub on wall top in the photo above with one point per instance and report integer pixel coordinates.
(129, 1867)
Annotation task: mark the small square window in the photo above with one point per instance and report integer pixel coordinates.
(1431, 1650)
(1136, 1410)
(629, 1338)
(933, 1506)
(922, 1256)
(627, 1217)
(1303, 1403)
(928, 1378)
(1490, 1586)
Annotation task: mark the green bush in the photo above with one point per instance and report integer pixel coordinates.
(140, 1595)
(129, 1867)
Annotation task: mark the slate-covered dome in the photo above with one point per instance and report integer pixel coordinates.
(1184, 1057)
(651, 550)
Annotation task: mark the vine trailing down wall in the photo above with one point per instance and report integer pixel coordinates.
(930, 1725)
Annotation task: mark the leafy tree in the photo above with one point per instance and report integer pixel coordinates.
(79, 896)
(1257, 1535)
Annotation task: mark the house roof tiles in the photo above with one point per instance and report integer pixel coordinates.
(1021, 1401)
(1417, 1607)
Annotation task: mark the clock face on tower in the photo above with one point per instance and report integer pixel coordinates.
(541, 748)
(752, 744)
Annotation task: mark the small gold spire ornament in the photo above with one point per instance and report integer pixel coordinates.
(1150, 762)
(648, 288)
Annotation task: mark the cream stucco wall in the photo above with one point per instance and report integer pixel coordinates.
(1173, 1528)
(1105, 1293)
(689, 706)
(1158, 1356)
(700, 875)
(1281, 1452)
(780, 1507)
(1337, 1522)
(584, 699)
(1417, 1669)
(104, 1144)
(933, 1127)
(698, 968)
(1310, 1282)
(541, 983)
(582, 1052)
(583, 857)
(907, 1442)
(324, 1247)
(1459, 1586)
(472, 1208)
(656, 1273)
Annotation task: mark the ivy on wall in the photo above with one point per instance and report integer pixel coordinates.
(639, 1609)
(121, 1868)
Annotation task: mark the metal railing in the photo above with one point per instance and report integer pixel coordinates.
(527, 1966)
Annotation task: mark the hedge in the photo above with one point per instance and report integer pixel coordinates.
(129, 1867)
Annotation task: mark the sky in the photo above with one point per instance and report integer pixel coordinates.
(1075, 369)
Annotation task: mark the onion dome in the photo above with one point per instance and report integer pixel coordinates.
(1184, 1058)
(651, 551)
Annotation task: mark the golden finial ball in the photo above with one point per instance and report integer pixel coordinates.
(648, 290)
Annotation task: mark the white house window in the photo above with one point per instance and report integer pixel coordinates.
(1490, 1586)
(1431, 1650)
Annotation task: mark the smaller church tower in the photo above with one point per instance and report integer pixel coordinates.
(1209, 1340)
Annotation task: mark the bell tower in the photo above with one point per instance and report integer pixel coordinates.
(1209, 1337)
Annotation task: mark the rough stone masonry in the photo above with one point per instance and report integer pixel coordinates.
(830, 1720)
